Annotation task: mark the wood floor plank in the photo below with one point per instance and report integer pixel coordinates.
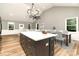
(11, 47)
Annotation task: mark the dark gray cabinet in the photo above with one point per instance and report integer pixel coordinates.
(37, 48)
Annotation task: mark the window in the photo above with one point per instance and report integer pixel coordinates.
(37, 26)
(71, 24)
(21, 26)
(29, 26)
(11, 25)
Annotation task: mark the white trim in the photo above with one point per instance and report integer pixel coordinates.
(21, 27)
(11, 23)
(66, 24)
(76, 23)
(36, 26)
(30, 25)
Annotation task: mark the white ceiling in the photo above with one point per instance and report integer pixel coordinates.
(18, 11)
(66, 4)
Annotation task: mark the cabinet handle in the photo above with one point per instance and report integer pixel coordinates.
(46, 44)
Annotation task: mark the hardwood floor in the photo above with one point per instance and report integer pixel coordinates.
(11, 47)
(72, 51)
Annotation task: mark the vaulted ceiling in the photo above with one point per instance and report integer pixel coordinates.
(18, 11)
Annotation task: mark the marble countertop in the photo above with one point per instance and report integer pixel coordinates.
(35, 35)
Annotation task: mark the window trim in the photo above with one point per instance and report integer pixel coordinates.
(12, 24)
(36, 26)
(76, 23)
(30, 26)
(21, 27)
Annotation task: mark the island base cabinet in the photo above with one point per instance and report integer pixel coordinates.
(42, 48)
(27, 45)
(34, 48)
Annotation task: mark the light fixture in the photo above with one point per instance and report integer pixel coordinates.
(33, 12)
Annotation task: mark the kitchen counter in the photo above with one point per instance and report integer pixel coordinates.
(35, 35)
(36, 43)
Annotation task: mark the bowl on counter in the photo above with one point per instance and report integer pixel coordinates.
(44, 32)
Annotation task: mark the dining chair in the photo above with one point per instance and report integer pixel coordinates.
(60, 37)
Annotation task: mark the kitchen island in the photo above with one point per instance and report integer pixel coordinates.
(36, 43)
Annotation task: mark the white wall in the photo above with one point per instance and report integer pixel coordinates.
(75, 36)
(11, 32)
(56, 17)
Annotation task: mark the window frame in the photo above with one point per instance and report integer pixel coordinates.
(21, 26)
(67, 25)
(30, 26)
(12, 24)
(37, 26)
